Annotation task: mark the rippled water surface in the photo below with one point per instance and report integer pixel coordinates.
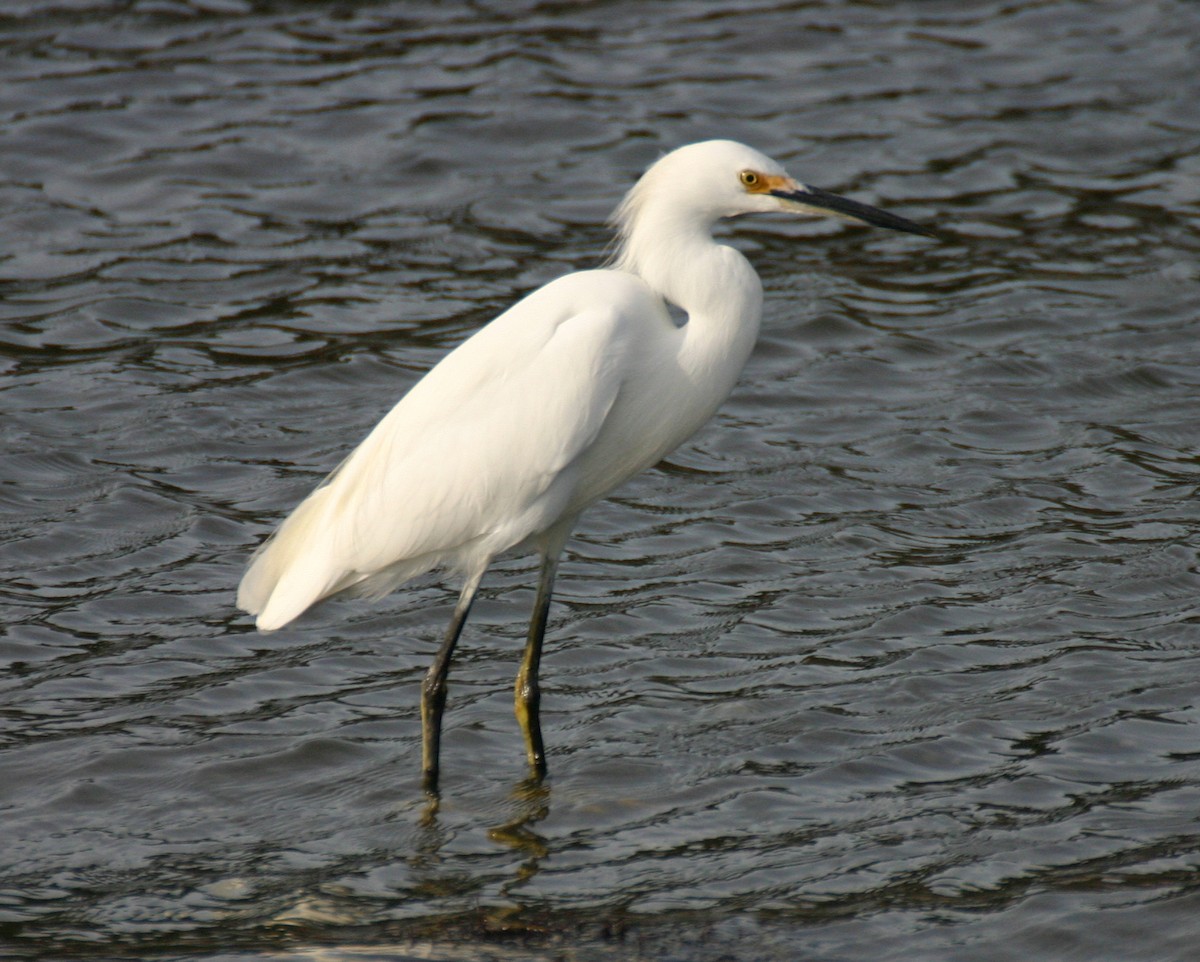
(898, 659)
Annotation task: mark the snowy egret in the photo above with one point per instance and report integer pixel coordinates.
(577, 387)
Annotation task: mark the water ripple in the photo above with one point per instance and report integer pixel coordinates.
(889, 662)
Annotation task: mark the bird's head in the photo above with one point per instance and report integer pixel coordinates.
(722, 178)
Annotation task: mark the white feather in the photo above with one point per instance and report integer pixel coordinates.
(576, 388)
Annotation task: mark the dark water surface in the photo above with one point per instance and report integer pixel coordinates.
(899, 659)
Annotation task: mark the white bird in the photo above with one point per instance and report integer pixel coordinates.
(576, 388)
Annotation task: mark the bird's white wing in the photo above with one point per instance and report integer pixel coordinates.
(474, 459)
(448, 468)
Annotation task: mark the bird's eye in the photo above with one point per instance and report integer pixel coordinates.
(749, 178)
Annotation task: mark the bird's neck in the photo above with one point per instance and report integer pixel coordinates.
(713, 284)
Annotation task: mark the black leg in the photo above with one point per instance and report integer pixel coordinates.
(528, 696)
(433, 691)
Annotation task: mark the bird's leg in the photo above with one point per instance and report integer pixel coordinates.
(433, 690)
(528, 693)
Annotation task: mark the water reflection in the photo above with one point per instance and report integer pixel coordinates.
(532, 805)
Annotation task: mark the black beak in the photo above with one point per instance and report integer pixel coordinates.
(816, 201)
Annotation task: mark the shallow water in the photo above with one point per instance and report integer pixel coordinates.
(896, 660)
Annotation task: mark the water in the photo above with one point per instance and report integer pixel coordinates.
(896, 660)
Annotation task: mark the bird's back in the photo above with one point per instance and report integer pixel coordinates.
(486, 451)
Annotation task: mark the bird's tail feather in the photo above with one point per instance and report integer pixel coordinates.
(294, 568)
